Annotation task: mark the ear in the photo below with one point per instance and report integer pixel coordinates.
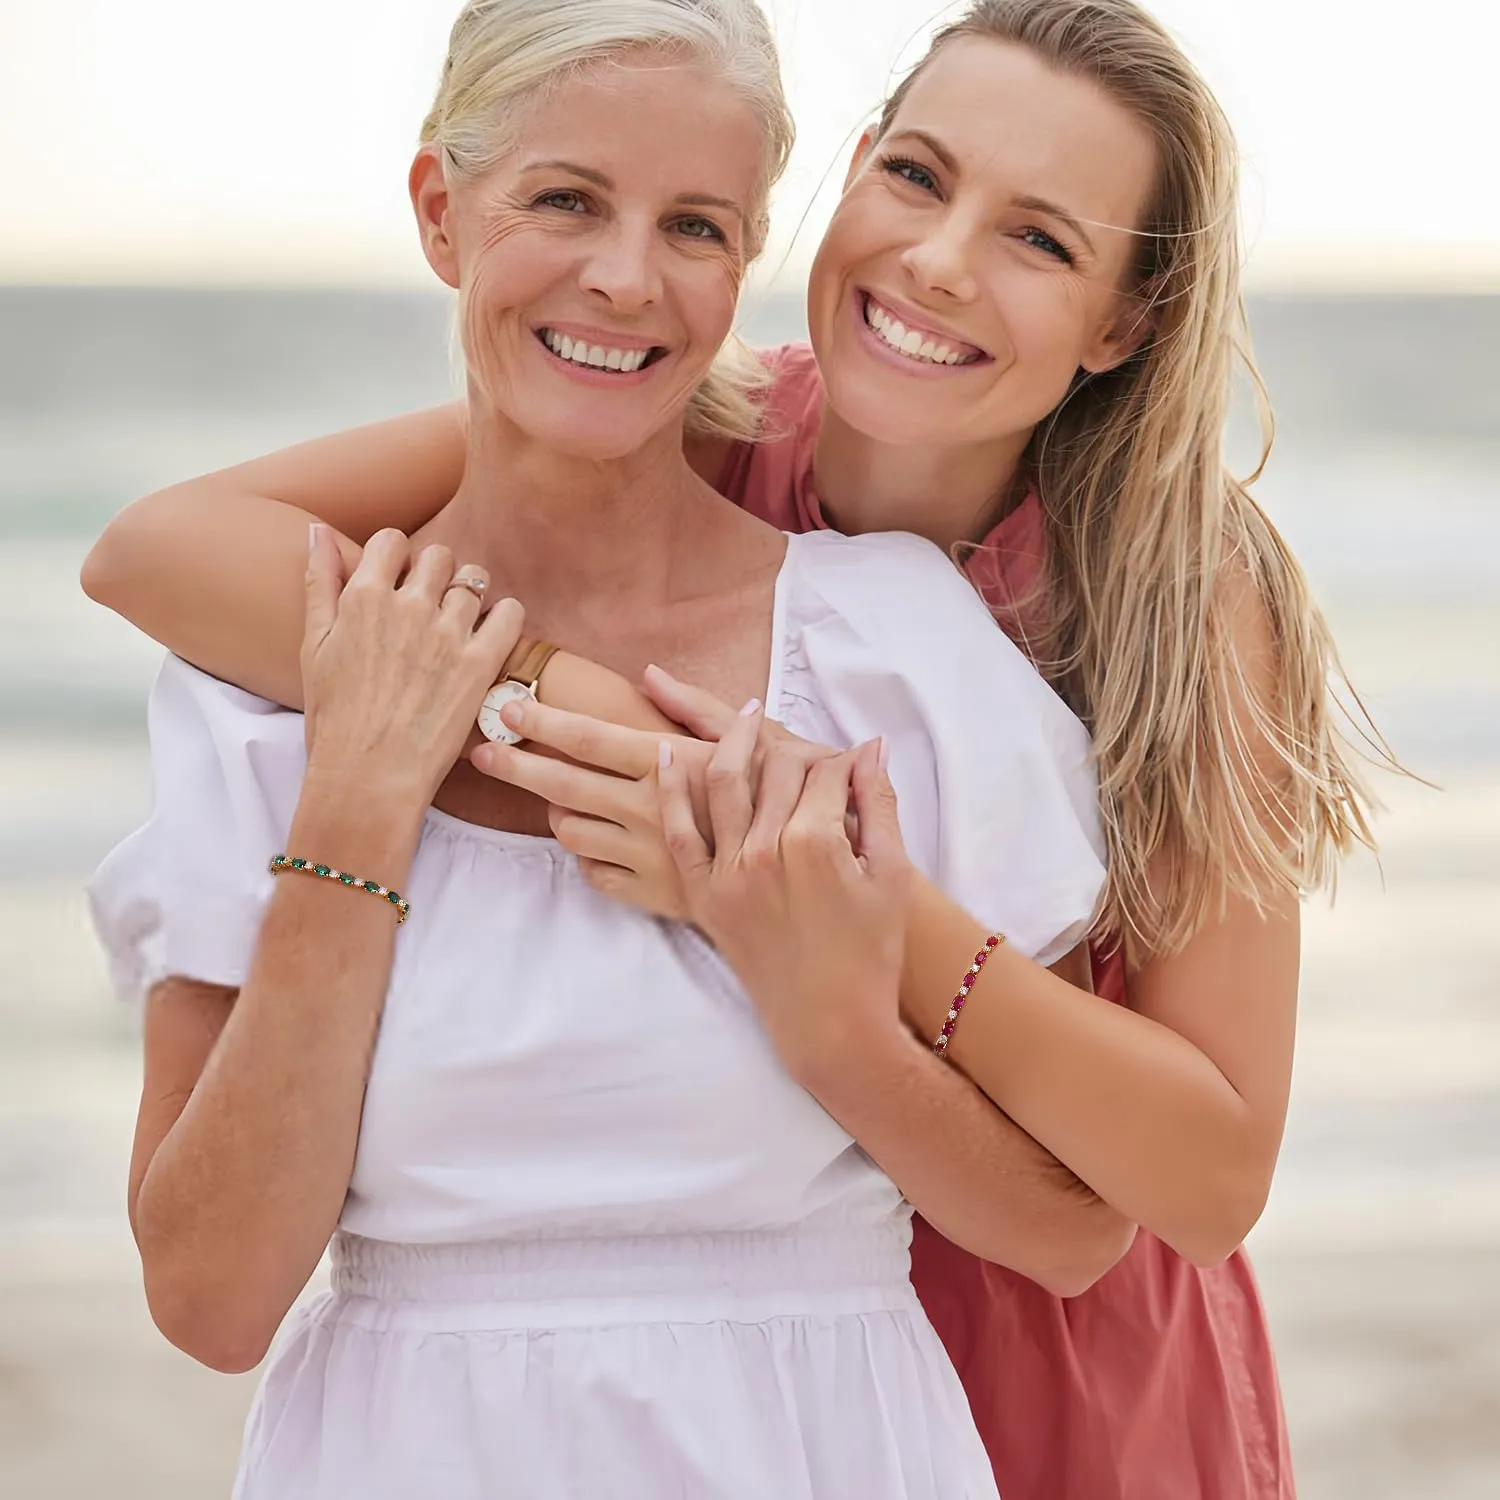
(433, 205)
(1134, 321)
(860, 157)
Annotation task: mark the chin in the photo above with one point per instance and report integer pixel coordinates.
(594, 435)
(866, 405)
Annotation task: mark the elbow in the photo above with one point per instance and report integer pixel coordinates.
(207, 1324)
(97, 575)
(1065, 1260)
(108, 564)
(128, 550)
(1223, 1220)
(1085, 1260)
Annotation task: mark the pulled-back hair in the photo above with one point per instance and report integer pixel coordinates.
(504, 54)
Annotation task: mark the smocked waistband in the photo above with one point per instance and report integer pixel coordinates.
(539, 1282)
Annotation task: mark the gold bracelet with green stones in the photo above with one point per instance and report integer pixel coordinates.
(281, 864)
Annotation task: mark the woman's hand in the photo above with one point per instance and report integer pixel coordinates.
(813, 925)
(394, 669)
(604, 807)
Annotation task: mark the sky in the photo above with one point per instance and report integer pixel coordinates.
(194, 140)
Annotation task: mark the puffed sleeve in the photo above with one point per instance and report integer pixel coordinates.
(185, 893)
(993, 773)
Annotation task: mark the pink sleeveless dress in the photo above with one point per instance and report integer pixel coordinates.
(1159, 1382)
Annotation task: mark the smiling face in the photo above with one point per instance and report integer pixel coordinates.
(599, 263)
(983, 251)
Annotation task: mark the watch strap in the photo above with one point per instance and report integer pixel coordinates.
(533, 662)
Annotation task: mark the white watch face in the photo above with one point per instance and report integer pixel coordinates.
(491, 725)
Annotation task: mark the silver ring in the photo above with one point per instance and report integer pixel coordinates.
(475, 586)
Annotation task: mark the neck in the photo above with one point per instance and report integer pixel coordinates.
(554, 528)
(947, 493)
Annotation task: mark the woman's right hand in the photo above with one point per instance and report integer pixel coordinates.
(394, 668)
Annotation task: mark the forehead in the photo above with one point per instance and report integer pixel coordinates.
(1028, 129)
(650, 122)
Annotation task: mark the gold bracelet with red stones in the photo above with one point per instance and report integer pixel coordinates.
(946, 1034)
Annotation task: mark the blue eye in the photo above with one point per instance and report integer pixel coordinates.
(912, 171)
(1047, 245)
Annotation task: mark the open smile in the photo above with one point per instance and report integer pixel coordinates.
(608, 358)
(910, 340)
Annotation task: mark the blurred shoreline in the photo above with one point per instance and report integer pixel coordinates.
(1380, 1251)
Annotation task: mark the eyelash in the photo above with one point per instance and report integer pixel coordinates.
(903, 166)
(549, 200)
(1047, 245)
(900, 166)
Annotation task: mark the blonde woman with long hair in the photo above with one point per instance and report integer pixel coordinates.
(1024, 318)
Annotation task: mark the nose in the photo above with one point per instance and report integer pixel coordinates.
(623, 267)
(940, 263)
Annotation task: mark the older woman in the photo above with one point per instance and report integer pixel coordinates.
(590, 1236)
(1054, 187)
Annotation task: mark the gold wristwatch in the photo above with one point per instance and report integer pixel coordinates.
(519, 681)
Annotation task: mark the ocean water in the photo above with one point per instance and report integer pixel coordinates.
(1381, 1247)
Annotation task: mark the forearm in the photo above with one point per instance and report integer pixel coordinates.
(971, 1172)
(244, 1191)
(1139, 1112)
(219, 585)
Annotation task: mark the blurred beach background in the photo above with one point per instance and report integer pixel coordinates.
(155, 325)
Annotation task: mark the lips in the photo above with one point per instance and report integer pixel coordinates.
(604, 354)
(916, 341)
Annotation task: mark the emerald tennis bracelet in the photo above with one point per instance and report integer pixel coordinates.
(282, 863)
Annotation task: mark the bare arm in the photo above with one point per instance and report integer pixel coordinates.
(250, 1107)
(1173, 1109)
(212, 567)
(965, 1166)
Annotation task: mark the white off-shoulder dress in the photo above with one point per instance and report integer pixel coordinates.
(597, 1244)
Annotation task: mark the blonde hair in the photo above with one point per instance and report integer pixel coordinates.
(504, 54)
(1210, 785)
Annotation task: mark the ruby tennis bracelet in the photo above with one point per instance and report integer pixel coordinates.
(946, 1034)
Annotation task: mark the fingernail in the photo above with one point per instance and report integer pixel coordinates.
(664, 753)
(512, 714)
(883, 754)
(750, 708)
(312, 538)
(481, 759)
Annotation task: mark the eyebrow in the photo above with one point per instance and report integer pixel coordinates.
(600, 179)
(1028, 200)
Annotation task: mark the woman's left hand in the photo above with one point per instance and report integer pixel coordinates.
(813, 925)
(602, 799)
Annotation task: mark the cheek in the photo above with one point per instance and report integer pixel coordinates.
(1048, 320)
(854, 234)
(708, 296)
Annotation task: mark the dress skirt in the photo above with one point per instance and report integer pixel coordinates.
(793, 1365)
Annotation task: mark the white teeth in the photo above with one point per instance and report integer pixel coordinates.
(626, 361)
(907, 340)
